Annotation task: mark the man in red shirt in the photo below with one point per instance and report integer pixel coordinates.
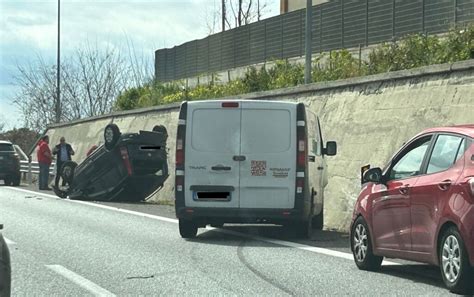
(44, 160)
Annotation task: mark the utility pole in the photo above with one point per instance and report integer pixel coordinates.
(307, 45)
(223, 15)
(58, 71)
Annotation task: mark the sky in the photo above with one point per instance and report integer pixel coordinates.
(29, 29)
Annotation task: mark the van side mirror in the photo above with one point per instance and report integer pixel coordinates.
(330, 149)
(373, 175)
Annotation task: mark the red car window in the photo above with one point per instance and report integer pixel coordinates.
(444, 153)
(410, 161)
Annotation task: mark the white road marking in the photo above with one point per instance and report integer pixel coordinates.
(95, 289)
(8, 241)
(318, 250)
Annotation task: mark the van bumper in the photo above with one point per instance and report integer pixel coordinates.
(239, 215)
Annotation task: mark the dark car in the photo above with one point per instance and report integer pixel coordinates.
(9, 164)
(421, 207)
(128, 167)
(5, 268)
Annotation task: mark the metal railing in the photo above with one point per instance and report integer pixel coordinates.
(335, 25)
(27, 170)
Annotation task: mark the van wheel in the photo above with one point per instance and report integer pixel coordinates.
(187, 228)
(454, 263)
(318, 221)
(302, 229)
(361, 246)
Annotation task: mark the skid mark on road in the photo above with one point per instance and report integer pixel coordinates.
(255, 271)
(84, 283)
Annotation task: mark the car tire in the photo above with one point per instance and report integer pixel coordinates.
(111, 136)
(16, 181)
(361, 246)
(451, 251)
(187, 228)
(67, 171)
(7, 181)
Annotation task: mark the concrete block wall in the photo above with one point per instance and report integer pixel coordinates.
(369, 117)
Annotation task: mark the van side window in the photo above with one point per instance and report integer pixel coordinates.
(319, 138)
(313, 134)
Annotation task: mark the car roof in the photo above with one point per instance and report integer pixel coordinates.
(5, 142)
(467, 130)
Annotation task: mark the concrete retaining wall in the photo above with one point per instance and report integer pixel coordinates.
(369, 117)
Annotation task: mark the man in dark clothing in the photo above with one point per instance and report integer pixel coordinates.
(44, 157)
(63, 151)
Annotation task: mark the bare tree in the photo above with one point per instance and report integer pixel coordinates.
(235, 13)
(91, 79)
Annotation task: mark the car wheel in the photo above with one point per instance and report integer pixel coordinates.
(67, 171)
(7, 181)
(111, 136)
(362, 247)
(160, 129)
(187, 228)
(454, 263)
(16, 181)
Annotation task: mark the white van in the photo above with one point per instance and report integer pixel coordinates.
(246, 161)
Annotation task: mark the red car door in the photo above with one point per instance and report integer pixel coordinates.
(433, 190)
(391, 205)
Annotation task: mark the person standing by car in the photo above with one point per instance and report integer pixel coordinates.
(63, 151)
(44, 160)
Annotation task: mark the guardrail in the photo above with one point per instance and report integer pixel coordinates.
(30, 168)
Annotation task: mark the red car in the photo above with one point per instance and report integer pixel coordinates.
(420, 207)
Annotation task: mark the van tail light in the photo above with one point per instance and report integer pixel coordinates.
(179, 183)
(301, 154)
(230, 104)
(179, 153)
(299, 185)
(180, 157)
(126, 159)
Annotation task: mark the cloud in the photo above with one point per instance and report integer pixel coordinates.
(28, 29)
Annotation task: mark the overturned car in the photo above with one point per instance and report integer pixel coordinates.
(128, 167)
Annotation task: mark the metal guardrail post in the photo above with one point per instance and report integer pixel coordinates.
(30, 176)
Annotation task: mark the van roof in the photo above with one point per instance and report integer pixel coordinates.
(243, 100)
(5, 142)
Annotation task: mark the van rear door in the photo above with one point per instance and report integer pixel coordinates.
(212, 143)
(268, 143)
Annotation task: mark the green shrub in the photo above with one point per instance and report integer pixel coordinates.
(411, 51)
(339, 65)
(458, 45)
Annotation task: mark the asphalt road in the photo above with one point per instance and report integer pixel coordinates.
(67, 248)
